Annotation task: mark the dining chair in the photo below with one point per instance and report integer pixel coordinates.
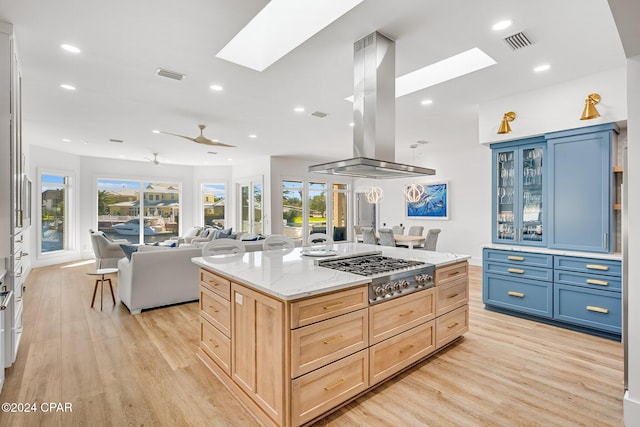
(319, 239)
(432, 239)
(398, 229)
(415, 230)
(277, 242)
(223, 246)
(386, 237)
(368, 236)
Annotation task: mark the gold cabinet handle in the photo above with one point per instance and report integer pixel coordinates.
(329, 387)
(454, 273)
(597, 282)
(452, 326)
(597, 267)
(215, 344)
(453, 296)
(515, 270)
(213, 309)
(598, 309)
(406, 313)
(515, 258)
(333, 306)
(213, 283)
(409, 347)
(333, 339)
(516, 294)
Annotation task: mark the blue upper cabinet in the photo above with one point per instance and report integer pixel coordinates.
(518, 193)
(580, 188)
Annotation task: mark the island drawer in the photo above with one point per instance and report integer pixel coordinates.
(589, 280)
(321, 343)
(215, 345)
(523, 295)
(589, 265)
(450, 272)
(396, 353)
(589, 307)
(400, 314)
(217, 284)
(451, 325)
(316, 309)
(524, 271)
(215, 309)
(519, 258)
(326, 388)
(452, 295)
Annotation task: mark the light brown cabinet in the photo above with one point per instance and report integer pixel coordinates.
(290, 362)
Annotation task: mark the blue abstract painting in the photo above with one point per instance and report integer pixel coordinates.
(433, 203)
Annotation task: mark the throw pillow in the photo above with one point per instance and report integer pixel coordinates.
(193, 231)
(223, 234)
(129, 250)
(206, 232)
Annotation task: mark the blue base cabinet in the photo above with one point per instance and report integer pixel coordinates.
(579, 293)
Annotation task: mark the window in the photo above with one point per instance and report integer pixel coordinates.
(54, 213)
(314, 207)
(250, 207)
(213, 206)
(138, 211)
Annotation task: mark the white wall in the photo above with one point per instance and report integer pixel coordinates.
(466, 166)
(556, 107)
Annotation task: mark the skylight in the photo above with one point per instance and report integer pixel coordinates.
(442, 71)
(279, 28)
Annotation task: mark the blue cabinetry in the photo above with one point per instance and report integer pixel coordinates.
(580, 189)
(519, 178)
(576, 292)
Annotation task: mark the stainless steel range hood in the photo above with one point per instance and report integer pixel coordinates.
(374, 115)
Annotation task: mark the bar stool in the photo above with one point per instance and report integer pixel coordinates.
(103, 272)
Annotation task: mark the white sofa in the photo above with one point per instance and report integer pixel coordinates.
(157, 276)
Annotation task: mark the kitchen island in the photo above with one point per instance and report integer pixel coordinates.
(293, 340)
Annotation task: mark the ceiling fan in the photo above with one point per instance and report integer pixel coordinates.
(155, 160)
(200, 139)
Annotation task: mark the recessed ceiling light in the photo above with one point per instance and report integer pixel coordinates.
(442, 71)
(70, 48)
(501, 25)
(121, 156)
(67, 87)
(155, 131)
(280, 27)
(540, 68)
(253, 135)
(229, 160)
(216, 88)
(352, 124)
(426, 102)
(299, 109)
(66, 140)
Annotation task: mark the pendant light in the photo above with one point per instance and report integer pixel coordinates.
(374, 194)
(413, 192)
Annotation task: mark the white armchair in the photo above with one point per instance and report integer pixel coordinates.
(107, 253)
(191, 234)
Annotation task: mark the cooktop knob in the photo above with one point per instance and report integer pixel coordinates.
(396, 286)
(388, 288)
(405, 284)
(379, 291)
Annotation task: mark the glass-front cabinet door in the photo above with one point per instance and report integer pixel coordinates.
(518, 196)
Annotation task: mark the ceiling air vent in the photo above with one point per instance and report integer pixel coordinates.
(170, 74)
(518, 41)
(319, 114)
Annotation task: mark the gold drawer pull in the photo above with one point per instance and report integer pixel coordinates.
(334, 339)
(213, 283)
(212, 308)
(454, 273)
(329, 387)
(597, 282)
(406, 313)
(453, 296)
(597, 267)
(598, 309)
(516, 294)
(333, 306)
(452, 326)
(515, 258)
(409, 347)
(215, 344)
(515, 270)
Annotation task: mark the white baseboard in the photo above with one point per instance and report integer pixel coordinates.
(631, 410)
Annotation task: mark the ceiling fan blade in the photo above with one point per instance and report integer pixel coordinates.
(180, 136)
(207, 141)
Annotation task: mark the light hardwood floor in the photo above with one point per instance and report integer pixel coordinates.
(117, 369)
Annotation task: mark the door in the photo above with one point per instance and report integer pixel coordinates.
(250, 209)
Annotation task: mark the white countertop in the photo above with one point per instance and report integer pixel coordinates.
(614, 256)
(289, 275)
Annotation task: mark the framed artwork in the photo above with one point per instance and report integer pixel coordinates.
(433, 204)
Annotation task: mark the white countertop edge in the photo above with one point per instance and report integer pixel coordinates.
(613, 256)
